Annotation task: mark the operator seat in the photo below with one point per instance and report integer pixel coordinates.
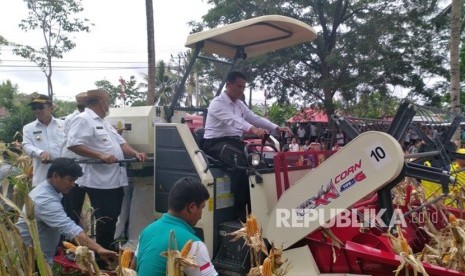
(198, 137)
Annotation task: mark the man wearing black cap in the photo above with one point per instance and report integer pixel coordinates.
(43, 138)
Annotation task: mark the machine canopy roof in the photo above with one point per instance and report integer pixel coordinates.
(256, 36)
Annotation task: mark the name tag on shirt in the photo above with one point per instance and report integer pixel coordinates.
(99, 127)
(37, 132)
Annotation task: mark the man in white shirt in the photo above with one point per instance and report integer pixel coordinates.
(301, 133)
(43, 138)
(228, 117)
(294, 146)
(73, 201)
(91, 136)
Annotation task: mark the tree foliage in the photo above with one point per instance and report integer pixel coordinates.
(200, 82)
(164, 84)
(19, 112)
(363, 47)
(3, 41)
(55, 18)
(374, 105)
(125, 93)
(279, 113)
(18, 109)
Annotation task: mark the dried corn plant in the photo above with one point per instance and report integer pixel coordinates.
(408, 260)
(87, 218)
(274, 264)
(84, 258)
(178, 261)
(12, 234)
(447, 245)
(18, 169)
(252, 235)
(17, 258)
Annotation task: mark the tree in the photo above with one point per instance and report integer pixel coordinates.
(454, 61)
(462, 63)
(126, 93)
(165, 82)
(3, 41)
(54, 19)
(451, 15)
(18, 110)
(362, 46)
(279, 113)
(201, 80)
(151, 53)
(374, 105)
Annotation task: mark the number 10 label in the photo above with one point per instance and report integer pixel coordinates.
(379, 157)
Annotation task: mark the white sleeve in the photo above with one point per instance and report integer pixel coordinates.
(203, 260)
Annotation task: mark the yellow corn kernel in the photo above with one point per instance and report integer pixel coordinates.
(187, 247)
(452, 219)
(446, 258)
(125, 260)
(69, 246)
(272, 257)
(251, 226)
(404, 246)
(266, 268)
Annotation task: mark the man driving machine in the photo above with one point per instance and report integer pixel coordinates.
(227, 118)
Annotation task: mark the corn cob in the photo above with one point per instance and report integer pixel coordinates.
(187, 247)
(29, 172)
(251, 226)
(403, 242)
(271, 256)
(266, 268)
(404, 246)
(452, 219)
(71, 247)
(125, 260)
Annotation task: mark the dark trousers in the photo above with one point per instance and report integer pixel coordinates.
(239, 179)
(72, 203)
(213, 147)
(107, 207)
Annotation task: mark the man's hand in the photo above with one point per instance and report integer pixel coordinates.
(45, 157)
(258, 131)
(141, 156)
(109, 159)
(110, 257)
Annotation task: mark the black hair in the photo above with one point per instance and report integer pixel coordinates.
(185, 191)
(65, 167)
(232, 76)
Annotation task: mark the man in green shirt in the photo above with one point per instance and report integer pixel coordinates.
(185, 204)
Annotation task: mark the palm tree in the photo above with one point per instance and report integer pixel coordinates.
(454, 55)
(151, 53)
(165, 83)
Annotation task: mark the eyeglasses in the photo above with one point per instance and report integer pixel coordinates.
(39, 106)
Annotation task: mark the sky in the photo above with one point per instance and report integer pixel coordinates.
(116, 41)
